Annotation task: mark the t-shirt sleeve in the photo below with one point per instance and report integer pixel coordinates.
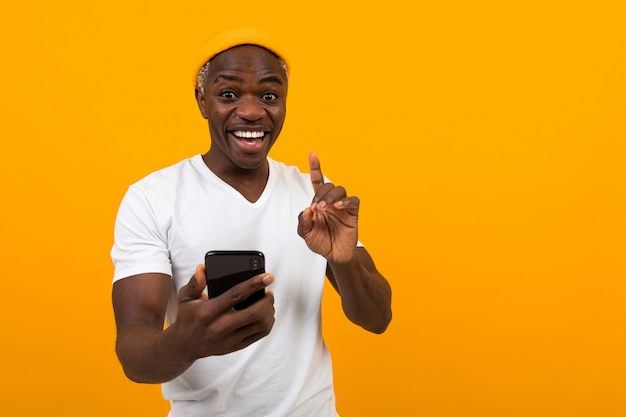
(140, 238)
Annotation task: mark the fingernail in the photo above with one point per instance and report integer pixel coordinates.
(268, 279)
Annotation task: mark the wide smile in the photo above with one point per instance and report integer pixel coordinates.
(246, 134)
(249, 140)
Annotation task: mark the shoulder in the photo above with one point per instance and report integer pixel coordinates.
(288, 173)
(166, 182)
(292, 173)
(168, 175)
(158, 190)
(289, 179)
(282, 168)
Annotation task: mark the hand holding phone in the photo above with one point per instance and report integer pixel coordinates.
(207, 327)
(224, 269)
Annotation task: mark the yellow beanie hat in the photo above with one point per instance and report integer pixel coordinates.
(235, 37)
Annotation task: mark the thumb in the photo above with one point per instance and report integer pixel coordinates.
(194, 288)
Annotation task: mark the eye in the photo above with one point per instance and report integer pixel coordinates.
(269, 96)
(227, 94)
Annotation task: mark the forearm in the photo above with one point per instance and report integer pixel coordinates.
(365, 293)
(150, 355)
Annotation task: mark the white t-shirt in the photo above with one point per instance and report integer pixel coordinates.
(169, 220)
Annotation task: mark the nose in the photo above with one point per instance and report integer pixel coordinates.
(249, 109)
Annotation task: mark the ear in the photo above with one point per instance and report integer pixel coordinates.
(200, 100)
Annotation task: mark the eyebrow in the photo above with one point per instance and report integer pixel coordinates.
(225, 77)
(269, 79)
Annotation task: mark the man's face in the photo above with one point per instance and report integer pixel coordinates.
(244, 101)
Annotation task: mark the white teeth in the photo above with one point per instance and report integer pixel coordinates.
(248, 134)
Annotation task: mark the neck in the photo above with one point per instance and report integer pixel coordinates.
(250, 182)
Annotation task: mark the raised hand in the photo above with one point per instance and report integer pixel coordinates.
(329, 225)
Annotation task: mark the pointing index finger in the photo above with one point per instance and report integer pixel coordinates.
(317, 178)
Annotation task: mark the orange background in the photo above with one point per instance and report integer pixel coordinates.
(486, 140)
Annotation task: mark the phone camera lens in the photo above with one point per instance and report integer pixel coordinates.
(255, 263)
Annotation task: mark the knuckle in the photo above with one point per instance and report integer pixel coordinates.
(216, 330)
(236, 294)
(263, 312)
(265, 324)
(270, 322)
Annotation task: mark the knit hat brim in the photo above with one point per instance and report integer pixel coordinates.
(235, 37)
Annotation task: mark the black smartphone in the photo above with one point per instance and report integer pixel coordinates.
(225, 269)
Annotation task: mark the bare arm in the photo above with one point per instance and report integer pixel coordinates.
(365, 293)
(147, 353)
(150, 354)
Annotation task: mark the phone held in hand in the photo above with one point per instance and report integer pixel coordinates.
(224, 269)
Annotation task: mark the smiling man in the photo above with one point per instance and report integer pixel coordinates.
(268, 359)
(244, 100)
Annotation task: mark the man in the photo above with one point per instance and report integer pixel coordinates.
(268, 359)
